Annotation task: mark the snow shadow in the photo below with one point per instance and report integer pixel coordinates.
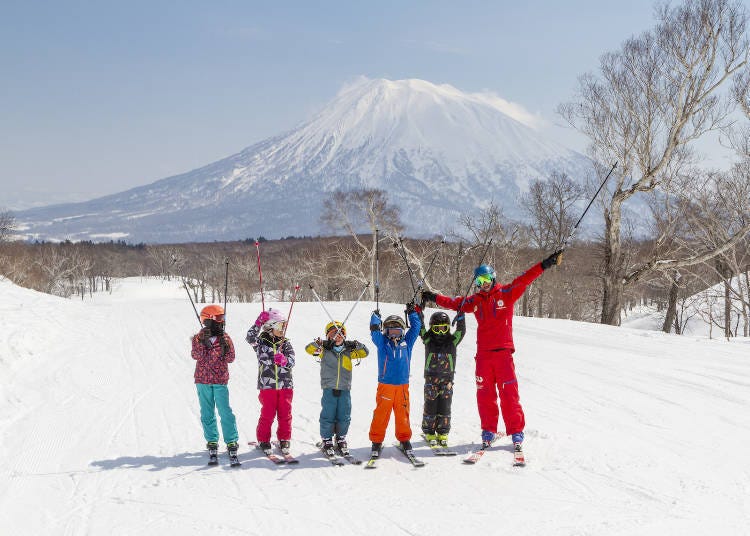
(154, 463)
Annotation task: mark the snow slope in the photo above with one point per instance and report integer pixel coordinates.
(629, 431)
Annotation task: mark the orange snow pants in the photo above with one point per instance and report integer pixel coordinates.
(391, 398)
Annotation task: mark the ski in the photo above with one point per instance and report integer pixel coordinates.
(371, 463)
(439, 449)
(416, 462)
(288, 458)
(278, 460)
(330, 455)
(475, 456)
(519, 460)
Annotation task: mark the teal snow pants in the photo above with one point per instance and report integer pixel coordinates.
(214, 397)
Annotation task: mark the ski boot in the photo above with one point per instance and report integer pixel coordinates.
(232, 447)
(328, 448)
(284, 445)
(213, 452)
(341, 445)
(406, 446)
(432, 440)
(265, 446)
(376, 448)
(488, 438)
(442, 440)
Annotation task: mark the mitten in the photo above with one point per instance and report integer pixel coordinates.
(428, 295)
(262, 318)
(410, 308)
(327, 345)
(280, 359)
(350, 345)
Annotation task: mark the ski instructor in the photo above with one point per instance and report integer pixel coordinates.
(492, 305)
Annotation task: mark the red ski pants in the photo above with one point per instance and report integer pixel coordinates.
(496, 376)
(391, 398)
(274, 403)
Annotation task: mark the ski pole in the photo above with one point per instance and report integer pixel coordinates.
(377, 274)
(184, 284)
(291, 305)
(575, 227)
(338, 328)
(420, 284)
(402, 252)
(226, 285)
(466, 294)
(260, 275)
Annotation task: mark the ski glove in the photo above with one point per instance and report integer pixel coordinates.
(204, 336)
(224, 345)
(327, 344)
(428, 295)
(552, 260)
(350, 345)
(411, 308)
(262, 318)
(280, 359)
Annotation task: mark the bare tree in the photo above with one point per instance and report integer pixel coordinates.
(7, 225)
(652, 99)
(365, 210)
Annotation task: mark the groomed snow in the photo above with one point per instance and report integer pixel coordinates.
(628, 431)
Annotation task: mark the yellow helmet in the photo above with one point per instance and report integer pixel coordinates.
(335, 325)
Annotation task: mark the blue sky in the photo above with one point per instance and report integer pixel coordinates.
(98, 97)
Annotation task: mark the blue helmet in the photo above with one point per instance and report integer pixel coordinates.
(484, 269)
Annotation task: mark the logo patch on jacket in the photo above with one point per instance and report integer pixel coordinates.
(500, 304)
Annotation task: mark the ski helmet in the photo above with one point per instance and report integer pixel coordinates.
(275, 320)
(394, 321)
(439, 318)
(212, 312)
(484, 270)
(335, 325)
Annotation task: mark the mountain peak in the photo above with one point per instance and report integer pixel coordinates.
(437, 148)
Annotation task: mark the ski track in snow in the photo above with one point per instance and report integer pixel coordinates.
(628, 432)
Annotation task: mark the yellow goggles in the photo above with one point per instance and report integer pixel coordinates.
(440, 329)
(482, 279)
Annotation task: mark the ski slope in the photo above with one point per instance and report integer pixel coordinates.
(628, 431)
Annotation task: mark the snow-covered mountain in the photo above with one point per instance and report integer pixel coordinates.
(439, 153)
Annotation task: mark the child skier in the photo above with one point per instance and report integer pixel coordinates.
(394, 346)
(439, 370)
(275, 360)
(212, 349)
(336, 355)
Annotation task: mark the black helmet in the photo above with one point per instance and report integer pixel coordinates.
(394, 321)
(439, 318)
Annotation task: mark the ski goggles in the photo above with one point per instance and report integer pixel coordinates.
(216, 318)
(482, 279)
(440, 329)
(394, 333)
(278, 325)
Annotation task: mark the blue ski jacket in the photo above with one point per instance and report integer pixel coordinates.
(394, 359)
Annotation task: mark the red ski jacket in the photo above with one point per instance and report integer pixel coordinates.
(494, 310)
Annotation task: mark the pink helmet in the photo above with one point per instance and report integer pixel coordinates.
(275, 315)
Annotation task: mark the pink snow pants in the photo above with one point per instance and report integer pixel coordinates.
(274, 403)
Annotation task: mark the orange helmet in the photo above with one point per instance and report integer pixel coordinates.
(214, 312)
